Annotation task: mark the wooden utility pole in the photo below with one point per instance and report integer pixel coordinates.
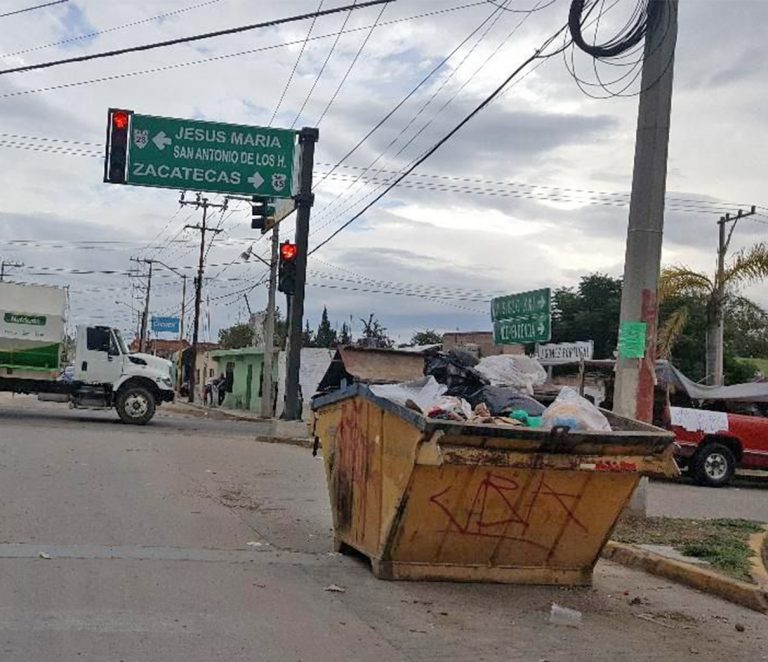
(267, 383)
(145, 312)
(199, 203)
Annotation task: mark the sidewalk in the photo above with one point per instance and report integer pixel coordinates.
(266, 429)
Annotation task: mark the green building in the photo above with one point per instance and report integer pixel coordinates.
(244, 368)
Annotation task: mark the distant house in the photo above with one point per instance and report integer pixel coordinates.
(479, 343)
(165, 349)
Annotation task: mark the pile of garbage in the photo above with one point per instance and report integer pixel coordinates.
(496, 390)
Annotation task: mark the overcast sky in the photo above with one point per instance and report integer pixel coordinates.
(424, 256)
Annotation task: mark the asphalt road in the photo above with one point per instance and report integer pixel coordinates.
(746, 498)
(188, 540)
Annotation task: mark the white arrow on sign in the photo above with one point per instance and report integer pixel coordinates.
(256, 179)
(161, 140)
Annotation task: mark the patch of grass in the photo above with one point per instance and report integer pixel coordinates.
(721, 542)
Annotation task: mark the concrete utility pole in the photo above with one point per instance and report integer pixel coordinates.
(307, 139)
(715, 345)
(267, 384)
(4, 264)
(199, 203)
(635, 378)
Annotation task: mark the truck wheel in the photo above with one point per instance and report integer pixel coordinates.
(713, 465)
(135, 405)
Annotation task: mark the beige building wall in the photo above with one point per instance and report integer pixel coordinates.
(478, 342)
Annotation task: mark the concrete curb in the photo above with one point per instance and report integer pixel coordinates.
(741, 593)
(758, 542)
(223, 414)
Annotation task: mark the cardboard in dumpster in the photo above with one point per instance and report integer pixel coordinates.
(372, 366)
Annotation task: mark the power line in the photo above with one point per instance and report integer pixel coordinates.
(197, 37)
(96, 33)
(324, 65)
(481, 187)
(26, 9)
(537, 55)
(434, 95)
(296, 63)
(400, 104)
(350, 67)
(216, 58)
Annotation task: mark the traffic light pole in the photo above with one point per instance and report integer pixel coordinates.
(307, 139)
(267, 405)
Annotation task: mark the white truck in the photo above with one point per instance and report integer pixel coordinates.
(104, 373)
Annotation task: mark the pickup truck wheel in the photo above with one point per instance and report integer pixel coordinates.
(713, 465)
(135, 405)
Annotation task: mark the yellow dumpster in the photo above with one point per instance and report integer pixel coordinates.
(430, 499)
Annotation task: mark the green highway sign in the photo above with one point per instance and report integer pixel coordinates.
(194, 155)
(522, 318)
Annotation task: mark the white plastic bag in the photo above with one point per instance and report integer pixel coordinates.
(522, 372)
(424, 392)
(571, 410)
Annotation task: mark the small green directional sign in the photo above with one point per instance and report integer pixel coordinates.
(522, 318)
(193, 155)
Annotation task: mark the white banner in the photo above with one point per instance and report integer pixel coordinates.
(565, 352)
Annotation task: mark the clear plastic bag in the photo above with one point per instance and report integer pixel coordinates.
(572, 411)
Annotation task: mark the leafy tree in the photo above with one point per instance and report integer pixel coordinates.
(426, 337)
(374, 334)
(237, 336)
(345, 337)
(747, 266)
(326, 334)
(589, 312)
(682, 335)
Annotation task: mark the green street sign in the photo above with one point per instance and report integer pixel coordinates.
(193, 155)
(23, 318)
(522, 318)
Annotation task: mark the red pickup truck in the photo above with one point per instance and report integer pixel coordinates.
(713, 444)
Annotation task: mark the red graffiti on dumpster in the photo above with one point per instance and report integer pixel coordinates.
(351, 465)
(498, 510)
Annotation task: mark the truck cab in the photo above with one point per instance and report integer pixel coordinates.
(107, 374)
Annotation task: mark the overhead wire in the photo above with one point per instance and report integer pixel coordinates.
(296, 63)
(351, 66)
(536, 55)
(402, 101)
(96, 33)
(217, 58)
(323, 66)
(429, 122)
(33, 8)
(191, 38)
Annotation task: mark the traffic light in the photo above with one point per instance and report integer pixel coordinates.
(259, 212)
(286, 274)
(118, 130)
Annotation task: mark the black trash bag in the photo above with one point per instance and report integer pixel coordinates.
(503, 400)
(452, 369)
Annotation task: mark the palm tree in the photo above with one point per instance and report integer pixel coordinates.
(747, 266)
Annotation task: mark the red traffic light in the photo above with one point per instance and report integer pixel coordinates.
(288, 252)
(120, 119)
